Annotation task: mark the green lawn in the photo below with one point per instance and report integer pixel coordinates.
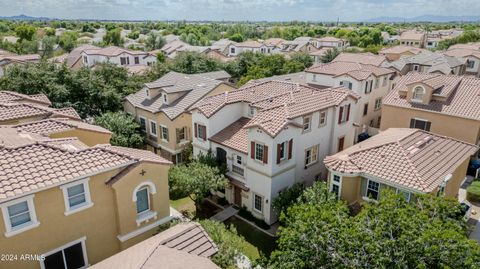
(184, 205)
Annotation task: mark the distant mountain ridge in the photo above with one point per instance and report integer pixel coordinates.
(427, 18)
(23, 17)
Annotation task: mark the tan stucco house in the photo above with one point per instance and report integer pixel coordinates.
(444, 104)
(413, 38)
(79, 204)
(396, 52)
(161, 108)
(407, 161)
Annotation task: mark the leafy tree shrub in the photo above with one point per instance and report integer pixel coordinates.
(287, 197)
(329, 55)
(125, 129)
(473, 192)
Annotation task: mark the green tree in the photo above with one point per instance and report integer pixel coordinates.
(154, 41)
(236, 37)
(68, 40)
(25, 32)
(288, 197)
(196, 180)
(193, 63)
(329, 55)
(393, 233)
(125, 130)
(113, 37)
(48, 43)
(302, 58)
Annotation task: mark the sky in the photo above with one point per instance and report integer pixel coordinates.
(238, 10)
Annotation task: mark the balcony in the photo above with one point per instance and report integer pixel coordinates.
(237, 170)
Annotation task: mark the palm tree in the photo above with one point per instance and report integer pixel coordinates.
(329, 55)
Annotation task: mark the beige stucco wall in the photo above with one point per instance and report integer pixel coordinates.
(89, 138)
(351, 189)
(459, 128)
(453, 185)
(113, 211)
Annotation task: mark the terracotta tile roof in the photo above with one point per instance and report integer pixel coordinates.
(75, 54)
(329, 39)
(6, 59)
(9, 96)
(14, 111)
(409, 158)
(30, 162)
(355, 70)
(361, 58)
(56, 125)
(300, 78)
(401, 49)
(233, 136)
(185, 245)
(113, 51)
(462, 52)
(273, 42)
(278, 102)
(193, 87)
(463, 94)
(250, 44)
(435, 61)
(412, 35)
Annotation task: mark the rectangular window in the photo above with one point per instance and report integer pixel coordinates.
(368, 86)
(405, 194)
(143, 200)
(343, 113)
(259, 152)
(372, 189)
(72, 256)
(420, 124)
(416, 67)
(153, 128)
(200, 131)
(378, 103)
(238, 160)
(181, 134)
(251, 111)
(377, 83)
(323, 118)
(232, 50)
(335, 186)
(85, 59)
(365, 109)
(123, 60)
(164, 132)
(311, 155)
(143, 124)
(19, 215)
(137, 60)
(470, 64)
(307, 123)
(283, 149)
(385, 79)
(346, 84)
(258, 202)
(76, 196)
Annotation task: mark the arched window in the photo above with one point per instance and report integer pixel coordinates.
(141, 196)
(418, 93)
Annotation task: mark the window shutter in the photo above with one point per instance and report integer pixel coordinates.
(412, 123)
(290, 148)
(427, 126)
(279, 147)
(204, 133)
(340, 115)
(168, 138)
(252, 150)
(195, 127)
(265, 154)
(348, 112)
(177, 135)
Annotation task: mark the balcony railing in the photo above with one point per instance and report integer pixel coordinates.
(237, 170)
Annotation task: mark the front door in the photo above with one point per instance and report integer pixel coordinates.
(221, 156)
(237, 199)
(341, 142)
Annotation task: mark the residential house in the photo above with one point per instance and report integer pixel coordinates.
(250, 45)
(370, 82)
(11, 60)
(407, 161)
(361, 58)
(161, 108)
(74, 59)
(272, 135)
(396, 52)
(118, 56)
(299, 77)
(16, 108)
(429, 62)
(274, 44)
(182, 246)
(413, 38)
(432, 42)
(332, 42)
(291, 47)
(80, 204)
(470, 52)
(318, 54)
(448, 105)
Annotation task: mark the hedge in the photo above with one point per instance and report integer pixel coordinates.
(473, 192)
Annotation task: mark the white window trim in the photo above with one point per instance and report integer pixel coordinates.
(149, 214)
(152, 189)
(253, 206)
(409, 193)
(285, 150)
(378, 101)
(161, 133)
(150, 128)
(88, 201)
(316, 159)
(339, 184)
(309, 117)
(413, 94)
(9, 231)
(365, 196)
(320, 118)
(263, 152)
(84, 250)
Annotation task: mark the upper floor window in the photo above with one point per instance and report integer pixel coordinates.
(377, 83)
(365, 109)
(164, 98)
(416, 67)
(232, 50)
(311, 155)
(85, 59)
(378, 103)
(200, 131)
(19, 215)
(143, 200)
(470, 64)
(344, 113)
(251, 111)
(259, 152)
(385, 79)
(143, 124)
(307, 123)
(420, 124)
(418, 93)
(181, 134)
(314, 77)
(346, 84)
(368, 86)
(284, 150)
(147, 92)
(323, 118)
(124, 61)
(76, 196)
(142, 195)
(153, 128)
(137, 60)
(164, 132)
